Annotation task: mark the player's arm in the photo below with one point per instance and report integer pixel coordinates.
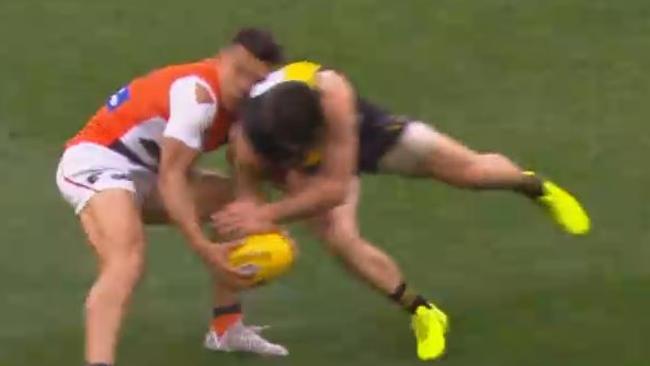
(339, 160)
(247, 168)
(173, 183)
(241, 217)
(192, 108)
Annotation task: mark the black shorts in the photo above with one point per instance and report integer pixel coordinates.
(379, 131)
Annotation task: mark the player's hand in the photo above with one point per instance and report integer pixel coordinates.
(242, 218)
(216, 257)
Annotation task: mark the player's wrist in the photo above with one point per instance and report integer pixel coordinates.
(202, 249)
(271, 212)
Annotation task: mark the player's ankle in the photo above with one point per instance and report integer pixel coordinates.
(98, 364)
(408, 299)
(224, 317)
(531, 185)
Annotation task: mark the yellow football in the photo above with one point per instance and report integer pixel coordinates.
(268, 256)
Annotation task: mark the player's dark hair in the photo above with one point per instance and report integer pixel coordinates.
(261, 44)
(284, 123)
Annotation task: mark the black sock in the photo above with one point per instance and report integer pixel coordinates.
(98, 364)
(229, 309)
(408, 299)
(532, 186)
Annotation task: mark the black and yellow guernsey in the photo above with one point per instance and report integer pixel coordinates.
(378, 130)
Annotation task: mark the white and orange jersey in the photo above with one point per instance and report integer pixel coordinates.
(170, 102)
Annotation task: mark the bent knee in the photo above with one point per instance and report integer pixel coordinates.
(118, 277)
(128, 268)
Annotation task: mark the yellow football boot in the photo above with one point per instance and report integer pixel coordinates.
(564, 208)
(430, 326)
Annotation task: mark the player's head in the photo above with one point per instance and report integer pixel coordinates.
(252, 54)
(284, 123)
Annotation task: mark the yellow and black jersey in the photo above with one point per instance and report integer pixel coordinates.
(378, 130)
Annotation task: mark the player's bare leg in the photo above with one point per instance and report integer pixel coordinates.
(338, 228)
(114, 228)
(212, 191)
(424, 152)
(227, 331)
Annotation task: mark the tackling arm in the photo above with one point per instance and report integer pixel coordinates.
(339, 159)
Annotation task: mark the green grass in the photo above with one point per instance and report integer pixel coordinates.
(560, 85)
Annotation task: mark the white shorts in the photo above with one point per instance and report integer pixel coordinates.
(415, 145)
(86, 169)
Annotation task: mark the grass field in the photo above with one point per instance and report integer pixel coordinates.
(561, 85)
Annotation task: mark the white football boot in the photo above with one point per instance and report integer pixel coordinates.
(240, 338)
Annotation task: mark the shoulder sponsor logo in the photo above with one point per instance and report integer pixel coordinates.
(117, 99)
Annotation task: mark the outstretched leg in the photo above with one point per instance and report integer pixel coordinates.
(338, 229)
(422, 151)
